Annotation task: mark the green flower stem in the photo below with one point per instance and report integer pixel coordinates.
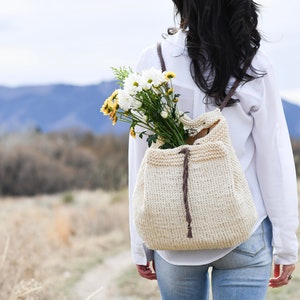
(174, 137)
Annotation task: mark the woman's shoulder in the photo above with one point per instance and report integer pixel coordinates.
(261, 62)
(173, 45)
(148, 59)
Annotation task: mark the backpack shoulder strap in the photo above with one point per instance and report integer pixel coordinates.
(228, 96)
(234, 87)
(161, 58)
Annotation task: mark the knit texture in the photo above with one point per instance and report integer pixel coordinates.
(219, 199)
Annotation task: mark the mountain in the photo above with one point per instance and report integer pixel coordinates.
(292, 114)
(61, 106)
(57, 107)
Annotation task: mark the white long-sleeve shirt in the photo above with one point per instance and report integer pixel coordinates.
(260, 138)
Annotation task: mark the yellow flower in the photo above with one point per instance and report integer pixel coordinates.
(170, 91)
(170, 75)
(110, 104)
(114, 95)
(175, 100)
(112, 114)
(115, 105)
(110, 107)
(104, 109)
(132, 132)
(114, 120)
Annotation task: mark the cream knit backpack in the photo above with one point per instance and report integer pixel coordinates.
(194, 196)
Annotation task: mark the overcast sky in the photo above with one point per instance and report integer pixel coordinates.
(77, 41)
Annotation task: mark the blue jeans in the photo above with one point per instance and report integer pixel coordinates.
(243, 274)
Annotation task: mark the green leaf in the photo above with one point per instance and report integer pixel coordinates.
(152, 139)
(121, 74)
(142, 134)
(166, 146)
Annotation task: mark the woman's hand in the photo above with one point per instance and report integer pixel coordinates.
(147, 271)
(281, 278)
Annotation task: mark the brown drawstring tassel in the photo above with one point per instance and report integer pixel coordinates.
(185, 176)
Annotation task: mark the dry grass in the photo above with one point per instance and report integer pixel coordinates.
(46, 244)
(133, 287)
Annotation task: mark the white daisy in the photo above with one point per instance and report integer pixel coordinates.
(132, 84)
(164, 114)
(152, 77)
(125, 101)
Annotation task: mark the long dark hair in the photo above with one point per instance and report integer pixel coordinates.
(222, 38)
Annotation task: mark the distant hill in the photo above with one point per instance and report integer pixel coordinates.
(292, 113)
(57, 107)
(61, 106)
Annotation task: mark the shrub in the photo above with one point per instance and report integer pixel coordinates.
(35, 163)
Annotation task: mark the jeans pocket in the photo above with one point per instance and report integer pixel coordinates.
(254, 244)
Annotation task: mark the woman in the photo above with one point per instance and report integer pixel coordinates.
(216, 44)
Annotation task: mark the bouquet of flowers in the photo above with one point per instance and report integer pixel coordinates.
(148, 102)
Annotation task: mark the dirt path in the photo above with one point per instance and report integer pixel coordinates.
(95, 284)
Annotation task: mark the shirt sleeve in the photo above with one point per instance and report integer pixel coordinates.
(137, 147)
(276, 170)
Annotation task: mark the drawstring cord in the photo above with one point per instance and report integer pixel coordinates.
(185, 176)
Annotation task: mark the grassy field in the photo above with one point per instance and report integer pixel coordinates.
(48, 242)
